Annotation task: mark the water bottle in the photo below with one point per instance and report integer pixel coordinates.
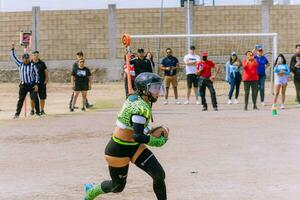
(171, 71)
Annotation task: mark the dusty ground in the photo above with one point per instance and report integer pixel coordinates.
(228, 155)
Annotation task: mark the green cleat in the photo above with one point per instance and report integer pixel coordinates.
(91, 192)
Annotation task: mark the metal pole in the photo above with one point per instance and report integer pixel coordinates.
(274, 58)
(160, 32)
(188, 24)
(213, 2)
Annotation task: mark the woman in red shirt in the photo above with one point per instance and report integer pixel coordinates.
(250, 78)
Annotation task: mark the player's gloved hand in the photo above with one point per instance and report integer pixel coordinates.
(157, 142)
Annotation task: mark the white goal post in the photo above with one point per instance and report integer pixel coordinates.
(270, 37)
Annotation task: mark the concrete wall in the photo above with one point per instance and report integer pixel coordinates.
(63, 33)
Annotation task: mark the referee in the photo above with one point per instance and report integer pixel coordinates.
(28, 81)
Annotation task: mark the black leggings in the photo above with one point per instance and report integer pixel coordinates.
(148, 163)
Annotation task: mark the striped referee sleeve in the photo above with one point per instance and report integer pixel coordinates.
(15, 58)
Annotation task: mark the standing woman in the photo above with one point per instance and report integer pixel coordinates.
(250, 78)
(281, 72)
(234, 76)
(149, 56)
(129, 140)
(81, 81)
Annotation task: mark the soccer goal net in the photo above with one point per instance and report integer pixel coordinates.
(218, 46)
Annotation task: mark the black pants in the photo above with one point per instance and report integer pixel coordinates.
(207, 83)
(297, 86)
(254, 90)
(23, 90)
(148, 163)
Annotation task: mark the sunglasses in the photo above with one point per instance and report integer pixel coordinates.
(169, 51)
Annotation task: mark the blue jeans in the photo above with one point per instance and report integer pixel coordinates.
(235, 82)
(261, 87)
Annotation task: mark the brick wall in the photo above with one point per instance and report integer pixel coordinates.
(62, 33)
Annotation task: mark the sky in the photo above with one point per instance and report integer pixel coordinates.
(26, 5)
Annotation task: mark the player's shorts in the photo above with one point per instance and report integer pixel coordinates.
(42, 92)
(119, 148)
(171, 80)
(192, 80)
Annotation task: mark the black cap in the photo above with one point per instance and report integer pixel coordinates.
(192, 47)
(36, 52)
(140, 50)
(26, 56)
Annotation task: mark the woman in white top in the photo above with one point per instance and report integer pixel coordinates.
(281, 74)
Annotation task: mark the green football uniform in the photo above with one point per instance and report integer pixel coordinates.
(134, 105)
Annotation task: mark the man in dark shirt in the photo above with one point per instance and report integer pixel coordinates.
(43, 81)
(295, 69)
(79, 56)
(140, 63)
(169, 65)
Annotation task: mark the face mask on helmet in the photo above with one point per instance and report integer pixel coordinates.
(155, 90)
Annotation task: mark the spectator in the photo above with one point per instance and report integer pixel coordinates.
(149, 56)
(43, 81)
(79, 55)
(81, 81)
(141, 63)
(234, 76)
(206, 80)
(191, 61)
(250, 78)
(295, 69)
(169, 65)
(29, 81)
(261, 70)
(281, 71)
(132, 75)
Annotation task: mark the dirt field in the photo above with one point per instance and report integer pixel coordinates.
(230, 154)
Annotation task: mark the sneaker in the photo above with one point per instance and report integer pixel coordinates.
(263, 104)
(282, 106)
(236, 101)
(166, 102)
(32, 112)
(16, 116)
(255, 107)
(71, 109)
(298, 106)
(177, 102)
(89, 105)
(245, 108)
(215, 108)
(83, 109)
(75, 107)
(198, 102)
(186, 102)
(38, 114)
(43, 112)
(204, 109)
(229, 102)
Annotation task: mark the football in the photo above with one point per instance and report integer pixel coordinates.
(160, 130)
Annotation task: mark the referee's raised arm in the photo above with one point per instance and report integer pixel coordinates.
(14, 56)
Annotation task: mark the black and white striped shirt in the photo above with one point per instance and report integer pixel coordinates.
(28, 73)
